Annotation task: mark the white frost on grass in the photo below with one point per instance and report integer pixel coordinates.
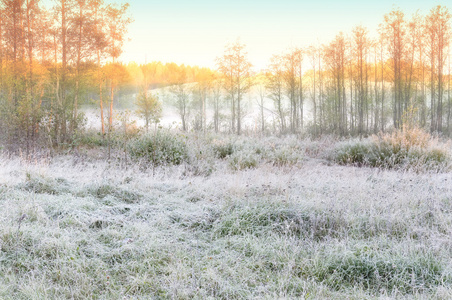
(97, 230)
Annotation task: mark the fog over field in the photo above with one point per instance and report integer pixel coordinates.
(170, 117)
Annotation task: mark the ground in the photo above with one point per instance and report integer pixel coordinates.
(84, 228)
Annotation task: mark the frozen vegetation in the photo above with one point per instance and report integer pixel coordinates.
(221, 217)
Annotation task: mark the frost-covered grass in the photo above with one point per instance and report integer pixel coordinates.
(409, 149)
(288, 226)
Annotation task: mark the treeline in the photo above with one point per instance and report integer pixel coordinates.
(54, 58)
(358, 84)
(50, 58)
(156, 74)
(354, 85)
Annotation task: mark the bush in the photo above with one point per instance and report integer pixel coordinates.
(404, 149)
(223, 150)
(408, 148)
(285, 156)
(243, 160)
(161, 148)
(353, 152)
(91, 139)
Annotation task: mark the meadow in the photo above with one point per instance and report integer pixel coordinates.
(194, 216)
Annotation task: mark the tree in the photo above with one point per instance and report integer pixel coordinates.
(262, 94)
(335, 60)
(149, 107)
(393, 31)
(300, 57)
(204, 78)
(83, 42)
(117, 75)
(438, 31)
(47, 57)
(275, 87)
(361, 53)
(117, 22)
(181, 92)
(216, 96)
(314, 57)
(20, 75)
(100, 44)
(417, 33)
(62, 15)
(291, 65)
(236, 71)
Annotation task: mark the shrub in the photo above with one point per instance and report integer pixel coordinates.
(408, 148)
(352, 152)
(160, 148)
(284, 156)
(406, 138)
(223, 149)
(201, 156)
(403, 149)
(243, 160)
(91, 139)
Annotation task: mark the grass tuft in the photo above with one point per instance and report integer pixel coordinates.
(103, 190)
(377, 270)
(42, 185)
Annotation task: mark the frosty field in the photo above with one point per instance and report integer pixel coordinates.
(288, 224)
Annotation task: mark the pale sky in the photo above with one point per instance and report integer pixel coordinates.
(195, 32)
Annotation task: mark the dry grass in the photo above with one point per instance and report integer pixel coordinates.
(407, 138)
(407, 149)
(94, 230)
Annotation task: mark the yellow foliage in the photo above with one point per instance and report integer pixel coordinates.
(132, 130)
(411, 135)
(406, 138)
